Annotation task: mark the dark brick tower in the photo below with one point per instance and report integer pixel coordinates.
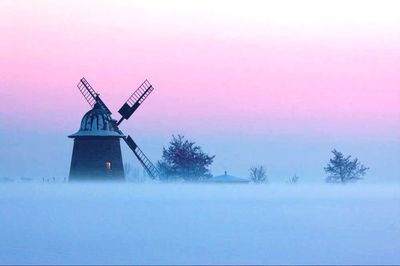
(97, 154)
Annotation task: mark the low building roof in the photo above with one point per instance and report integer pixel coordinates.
(227, 179)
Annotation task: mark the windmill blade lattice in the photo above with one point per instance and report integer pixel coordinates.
(135, 100)
(146, 163)
(91, 96)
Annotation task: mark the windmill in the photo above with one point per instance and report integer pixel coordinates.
(97, 153)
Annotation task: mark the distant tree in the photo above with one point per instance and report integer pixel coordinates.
(341, 169)
(258, 174)
(183, 159)
(293, 179)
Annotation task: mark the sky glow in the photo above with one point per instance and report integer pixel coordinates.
(239, 71)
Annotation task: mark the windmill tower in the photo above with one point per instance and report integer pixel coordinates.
(96, 155)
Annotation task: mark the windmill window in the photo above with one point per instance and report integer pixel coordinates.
(108, 165)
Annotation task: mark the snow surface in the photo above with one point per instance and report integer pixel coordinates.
(199, 224)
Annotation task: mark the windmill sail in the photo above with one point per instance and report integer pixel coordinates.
(91, 96)
(135, 100)
(146, 163)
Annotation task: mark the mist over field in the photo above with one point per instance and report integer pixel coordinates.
(285, 96)
(199, 224)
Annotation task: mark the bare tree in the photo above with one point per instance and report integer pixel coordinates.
(258, 174)
(293, 179)
(341, 169)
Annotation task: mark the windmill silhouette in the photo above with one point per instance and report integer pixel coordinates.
(97, 152)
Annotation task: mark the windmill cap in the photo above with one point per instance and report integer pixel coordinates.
(97, 123)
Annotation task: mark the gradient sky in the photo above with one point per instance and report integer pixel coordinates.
(278, 83)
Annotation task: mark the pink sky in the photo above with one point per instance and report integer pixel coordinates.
(250, 67)
(278, 83)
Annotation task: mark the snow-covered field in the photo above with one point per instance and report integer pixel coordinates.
(199, 224)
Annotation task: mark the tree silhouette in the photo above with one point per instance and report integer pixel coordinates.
(184, 159)
(293, 179)
(258, 175)
(341, 169)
